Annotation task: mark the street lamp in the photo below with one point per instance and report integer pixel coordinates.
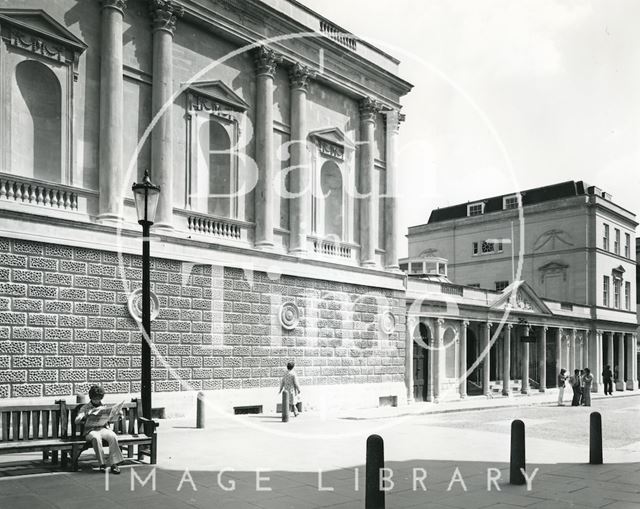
(146, 195)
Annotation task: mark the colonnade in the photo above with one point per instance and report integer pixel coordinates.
(574, 349)
(165, 15)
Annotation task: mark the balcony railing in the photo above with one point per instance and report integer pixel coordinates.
(329, 248)
(339, 35)
(214, 226)
(23, 190)
(451, 289)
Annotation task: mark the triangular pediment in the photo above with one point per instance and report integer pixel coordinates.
(553, 266)
(37, 22)
(520, 297)
(332, 135)
(218, 92)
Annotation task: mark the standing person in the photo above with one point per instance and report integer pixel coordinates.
(289, 384)
(607, 379)
(95, 435)
(575, 385)
(562, 378)
(581, 400)
(587, 380)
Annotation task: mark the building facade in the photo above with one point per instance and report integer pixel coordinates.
(271, 132)
(569, 246)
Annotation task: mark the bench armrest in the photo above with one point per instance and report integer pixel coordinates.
(149, 424)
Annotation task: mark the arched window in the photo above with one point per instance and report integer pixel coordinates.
(331, 186)
(214, 182)
(37, 123)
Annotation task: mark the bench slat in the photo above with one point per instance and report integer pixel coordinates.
(16, 425)
(45, 424)
(35, 421)
(26, 424)
(55, 424)
(6, 423)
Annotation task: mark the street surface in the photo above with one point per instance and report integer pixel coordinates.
(259, 462)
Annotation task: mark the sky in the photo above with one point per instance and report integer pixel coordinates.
(508, 95)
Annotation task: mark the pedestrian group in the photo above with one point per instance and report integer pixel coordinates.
(580, 383)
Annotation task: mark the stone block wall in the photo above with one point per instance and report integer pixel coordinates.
(65, 325)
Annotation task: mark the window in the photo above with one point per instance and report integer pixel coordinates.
(616, 242)
(616, 293)
(605, 291)
(474, 285)
(488, 247)
(627, 295)
(332, 196)
(501, 285)
(605, 238)
(627, 245)
(510, 202)
(442, 269)
(475, 209)
(404, 267)
(475, 248)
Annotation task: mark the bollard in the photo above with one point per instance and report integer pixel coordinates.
(517, 453)
(595, 439)
(82, 399)
(200, 411)
(285, 406)
(374, 496)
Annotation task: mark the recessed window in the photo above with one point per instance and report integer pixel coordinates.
(627, 295)
(475, 248)
(501, 285)
(616, 293)
(616, 242)
(474, 285)
(510, 202)
(475, 209)
(605, 238)
(627, 245)
(488, 247)
(605, 291)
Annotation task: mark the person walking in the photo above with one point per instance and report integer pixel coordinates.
(562, 378)
(587, 380)
(607, 379)
(575, 385)
(289, 383)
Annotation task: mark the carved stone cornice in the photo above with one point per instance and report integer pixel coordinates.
(369, 109)
(118, 5)
(299, 76)
(266, 61)
(465, 323)
(165, 14)
(440, 321)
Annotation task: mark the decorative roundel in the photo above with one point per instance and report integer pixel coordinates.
(387, 322)
(135, 305)
(289, 315)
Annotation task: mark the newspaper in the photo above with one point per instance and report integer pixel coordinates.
(104, 416)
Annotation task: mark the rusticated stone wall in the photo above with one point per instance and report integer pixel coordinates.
(65, 324)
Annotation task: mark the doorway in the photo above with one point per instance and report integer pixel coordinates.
(420, 363)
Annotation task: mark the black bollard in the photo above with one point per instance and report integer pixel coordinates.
(374, 496)
(285, 406)
(200, 411)
(518, 461)
(595, 439)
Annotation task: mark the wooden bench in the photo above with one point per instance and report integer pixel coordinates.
(51, 429)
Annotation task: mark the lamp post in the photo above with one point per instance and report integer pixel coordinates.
(146, 196)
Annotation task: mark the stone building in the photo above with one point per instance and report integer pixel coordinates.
(229, 105)
(560, 268)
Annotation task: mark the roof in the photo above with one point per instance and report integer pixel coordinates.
(529, 197)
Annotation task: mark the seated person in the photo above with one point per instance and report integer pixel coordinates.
(95, 435)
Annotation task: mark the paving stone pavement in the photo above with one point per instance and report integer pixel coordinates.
(259, 462)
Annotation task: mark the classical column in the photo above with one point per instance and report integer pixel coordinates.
(525, 367)
(299, 176)
(439, 351)
(506, 360)
(369, 109)
(620, 383)
(266, 62)
(463, 359)
(585, 350)
(486, 361)
(597, 356)
(572, 351)
(431, 345)
(391, 191)
(631, 360)
(542, 357)
(111, 171)
(559, 365)
(408, 366)
(610, 351)
(164, 14)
